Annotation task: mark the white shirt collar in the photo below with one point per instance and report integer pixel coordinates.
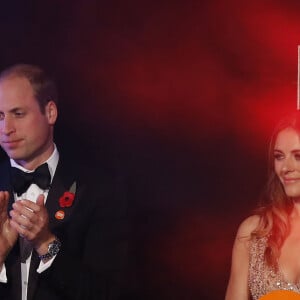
(52, 162)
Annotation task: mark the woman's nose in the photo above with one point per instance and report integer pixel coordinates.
(288, 165)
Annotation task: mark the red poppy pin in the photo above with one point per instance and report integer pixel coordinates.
(67, 199)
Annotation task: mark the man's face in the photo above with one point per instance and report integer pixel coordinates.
(25, 132)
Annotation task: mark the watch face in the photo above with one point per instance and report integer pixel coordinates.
(54, 248)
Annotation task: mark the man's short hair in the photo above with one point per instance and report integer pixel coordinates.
(43, 86)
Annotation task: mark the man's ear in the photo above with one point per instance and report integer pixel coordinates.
(51, 112)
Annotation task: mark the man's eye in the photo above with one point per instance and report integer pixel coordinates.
(1, 116)
(19, 114)
(297, 156)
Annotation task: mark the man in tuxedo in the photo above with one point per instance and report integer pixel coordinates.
(62, 233)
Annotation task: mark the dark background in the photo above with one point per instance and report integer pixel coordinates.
(181, 98)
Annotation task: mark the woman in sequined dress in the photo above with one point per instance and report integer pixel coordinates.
(266, 251)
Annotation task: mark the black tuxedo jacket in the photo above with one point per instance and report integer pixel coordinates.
(92, 257)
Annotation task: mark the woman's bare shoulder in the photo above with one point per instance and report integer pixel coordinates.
(248, 226)
(238, 282)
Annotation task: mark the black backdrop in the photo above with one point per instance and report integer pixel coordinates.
(178, 96)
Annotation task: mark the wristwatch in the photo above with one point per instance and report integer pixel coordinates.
(53, 249)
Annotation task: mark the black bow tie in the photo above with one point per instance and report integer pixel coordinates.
(22, 180)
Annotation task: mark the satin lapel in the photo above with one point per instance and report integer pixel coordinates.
(4, 175)
(61, 183)
(5, 182)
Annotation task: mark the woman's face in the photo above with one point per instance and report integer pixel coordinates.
(287, 161)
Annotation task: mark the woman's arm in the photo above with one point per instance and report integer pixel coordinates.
(237, 288)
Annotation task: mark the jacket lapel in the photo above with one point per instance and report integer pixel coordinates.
(5, 182)
(61, 183)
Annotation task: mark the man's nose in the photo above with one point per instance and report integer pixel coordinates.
(6, 126)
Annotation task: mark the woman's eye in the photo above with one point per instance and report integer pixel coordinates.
(278, 156)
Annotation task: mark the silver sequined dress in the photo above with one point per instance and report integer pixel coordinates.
(262, 278)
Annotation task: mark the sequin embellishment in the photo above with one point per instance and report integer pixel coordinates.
(262, 278)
